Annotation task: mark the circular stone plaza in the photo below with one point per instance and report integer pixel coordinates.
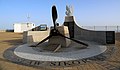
(18, 56)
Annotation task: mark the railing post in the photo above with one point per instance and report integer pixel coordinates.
(117, 29)
(94, 27)
(106, 28)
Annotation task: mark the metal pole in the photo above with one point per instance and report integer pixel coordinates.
(28, 18)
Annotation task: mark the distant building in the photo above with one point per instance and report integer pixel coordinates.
(21, 27)
(41, 27)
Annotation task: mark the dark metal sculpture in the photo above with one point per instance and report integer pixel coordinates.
(55, 32)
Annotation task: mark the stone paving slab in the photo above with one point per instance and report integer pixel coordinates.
(24, 51)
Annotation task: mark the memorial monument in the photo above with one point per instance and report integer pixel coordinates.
(63, 46)
(57, 33)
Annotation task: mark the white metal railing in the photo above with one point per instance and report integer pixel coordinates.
(103, 28)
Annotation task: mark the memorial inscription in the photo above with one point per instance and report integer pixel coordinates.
(110, 37)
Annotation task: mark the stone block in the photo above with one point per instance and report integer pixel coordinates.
(34, 36)
(61, 40)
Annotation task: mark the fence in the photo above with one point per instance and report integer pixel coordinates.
(103, 28)
(96, 28)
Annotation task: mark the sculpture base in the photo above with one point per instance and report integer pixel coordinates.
(58, 40)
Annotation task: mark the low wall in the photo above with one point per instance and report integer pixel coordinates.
(97, 36)
(7, 30)
(103, 37)
(34, 36)
(2, 30)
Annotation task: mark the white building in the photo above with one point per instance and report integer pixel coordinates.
(21, 27)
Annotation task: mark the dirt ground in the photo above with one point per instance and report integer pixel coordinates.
(9, 39)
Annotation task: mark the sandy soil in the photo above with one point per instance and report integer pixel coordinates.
(9, 39)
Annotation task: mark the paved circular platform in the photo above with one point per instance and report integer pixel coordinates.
(24, 51)
(70, 56)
